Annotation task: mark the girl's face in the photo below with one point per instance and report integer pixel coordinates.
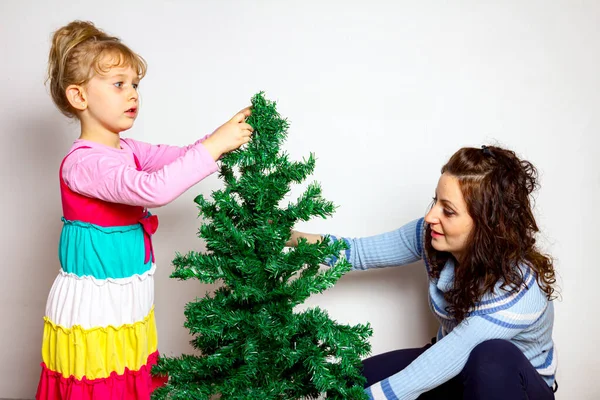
(112, 100)
(450, 223)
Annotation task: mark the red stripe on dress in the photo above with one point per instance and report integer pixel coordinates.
(131, 385)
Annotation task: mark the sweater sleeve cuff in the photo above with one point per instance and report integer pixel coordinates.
(331, 260)
(381, 390)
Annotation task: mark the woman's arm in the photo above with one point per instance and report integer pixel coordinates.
(447, 358)
(399, 247)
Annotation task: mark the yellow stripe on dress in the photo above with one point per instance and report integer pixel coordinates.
(97, 352)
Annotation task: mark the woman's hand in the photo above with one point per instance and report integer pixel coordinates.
(310, 237)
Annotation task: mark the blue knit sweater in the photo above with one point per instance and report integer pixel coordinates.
(525, 318)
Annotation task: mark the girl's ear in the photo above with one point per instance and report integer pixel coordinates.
(77, 97)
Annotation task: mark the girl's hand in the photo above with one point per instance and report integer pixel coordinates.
(229, 136)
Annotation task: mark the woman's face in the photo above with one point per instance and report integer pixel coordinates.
(448, 218)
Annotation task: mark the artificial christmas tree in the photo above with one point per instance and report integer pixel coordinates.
(253, 344)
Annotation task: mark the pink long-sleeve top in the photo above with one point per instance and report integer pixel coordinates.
(110, 174)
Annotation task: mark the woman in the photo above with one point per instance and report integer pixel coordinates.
(489, 287)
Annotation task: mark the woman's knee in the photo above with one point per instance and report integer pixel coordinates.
(495, 357)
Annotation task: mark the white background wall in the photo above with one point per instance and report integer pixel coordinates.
(382, 91)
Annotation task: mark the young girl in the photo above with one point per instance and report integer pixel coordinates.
(100, 337)
(489, 287)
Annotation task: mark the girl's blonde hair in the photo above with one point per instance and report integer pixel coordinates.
(79, 50)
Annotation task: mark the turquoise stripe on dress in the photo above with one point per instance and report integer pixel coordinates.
(102, 252)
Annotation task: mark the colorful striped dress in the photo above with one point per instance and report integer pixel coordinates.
(100, 338)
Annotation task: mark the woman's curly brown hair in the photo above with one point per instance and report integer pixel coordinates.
(497, 187)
